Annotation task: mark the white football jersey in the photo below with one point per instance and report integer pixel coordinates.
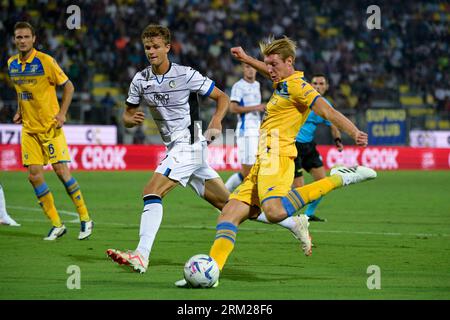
(247, 94)
(167, 97)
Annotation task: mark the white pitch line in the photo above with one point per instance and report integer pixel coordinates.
(194, 227)
(69, 213)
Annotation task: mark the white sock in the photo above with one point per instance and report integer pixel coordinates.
(233, 181)
(2, 203)
(150, 221)
(287, 223)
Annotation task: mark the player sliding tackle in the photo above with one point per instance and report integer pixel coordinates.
(268, 185)
(166, 89)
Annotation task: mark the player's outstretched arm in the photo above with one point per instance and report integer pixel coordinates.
(241, 55)
(132, 117)
(68, 90)
(215, 126)
(322, 108)
(336, 134)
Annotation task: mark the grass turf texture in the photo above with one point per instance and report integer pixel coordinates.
(399, 222)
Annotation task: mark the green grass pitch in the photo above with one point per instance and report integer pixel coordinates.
(399, 222)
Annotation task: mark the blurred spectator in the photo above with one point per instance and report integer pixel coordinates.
(411, 49)
(86, 108)
(108, 103)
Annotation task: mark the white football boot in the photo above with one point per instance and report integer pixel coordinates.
(133, 259)
(301, 233)
(86, 229)
(184, 284)
(5, 219)
(354, 174)
(56, 232)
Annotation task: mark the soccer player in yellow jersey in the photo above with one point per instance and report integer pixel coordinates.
(35, 76)
(268, 185)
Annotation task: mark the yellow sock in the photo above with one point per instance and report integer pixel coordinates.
(47, 203)
(224, 243)
(315, 190)
(299, 197)
(73, 189)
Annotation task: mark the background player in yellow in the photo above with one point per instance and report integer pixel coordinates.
(268, 186)
(35, 76)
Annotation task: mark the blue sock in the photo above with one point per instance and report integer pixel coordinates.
(312, 207)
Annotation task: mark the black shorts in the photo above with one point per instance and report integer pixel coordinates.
(307, 158)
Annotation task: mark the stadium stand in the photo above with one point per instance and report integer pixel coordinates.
(405, 64)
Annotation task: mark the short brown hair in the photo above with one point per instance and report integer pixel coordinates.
(285, 47)
(154, 30)
(24, 25)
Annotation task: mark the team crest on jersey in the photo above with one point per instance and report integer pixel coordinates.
(282, 90)
(172, 84)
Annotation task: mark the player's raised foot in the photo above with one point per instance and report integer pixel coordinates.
(354, 174)
(133, 259)
(8, 221)
(184, 284)
(86, 229)
(316, 219)
(56, 232)
(301, 233)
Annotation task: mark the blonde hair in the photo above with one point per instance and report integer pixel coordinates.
(285, 47)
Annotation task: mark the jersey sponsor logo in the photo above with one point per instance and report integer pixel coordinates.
(19, 82)
(34, 68)
(161, 98)
(25, 96)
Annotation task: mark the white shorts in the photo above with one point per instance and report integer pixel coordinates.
(188, 164)
(247, 149)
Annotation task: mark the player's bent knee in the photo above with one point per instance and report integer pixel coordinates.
(274, 210)
(219, 204)
(35, 178)
(62, 171)
(159, 186)
(275, 217)
(235, 212)
(32, 178)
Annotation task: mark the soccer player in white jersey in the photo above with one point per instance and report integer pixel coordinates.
(5, 219)
(246, 103)
(165, 88)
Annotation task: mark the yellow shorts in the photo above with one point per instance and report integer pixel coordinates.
(270, 177)
(42, 148)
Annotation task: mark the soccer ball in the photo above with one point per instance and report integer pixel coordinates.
(201, 271)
